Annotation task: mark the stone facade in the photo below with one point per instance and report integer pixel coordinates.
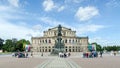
(71, 41)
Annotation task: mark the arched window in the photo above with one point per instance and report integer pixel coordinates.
(66, 41)
(69, 50)
(45, 50)
(40, 41)
(49, 50)
(55, 33)
(69, 41)
(73, 50)
(64, 34)
(66, 50)
(76, 40)
(73, 41)
(49, 41)
(46, 41)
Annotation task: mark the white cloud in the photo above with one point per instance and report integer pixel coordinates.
(100, 40)
(82, 29)
(9, 30)
(86, 13)
(89, 28)
(73, 1)
(61, 8)
(113, 3)
(48, 5)
(4, 8)
(37, 27)
(52, 22)
(17, 29)
(14, 3)
(77, 1)
(104, 41)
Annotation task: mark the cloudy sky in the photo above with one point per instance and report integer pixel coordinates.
(97, 19)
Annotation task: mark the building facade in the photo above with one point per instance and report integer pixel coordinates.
(71, 41)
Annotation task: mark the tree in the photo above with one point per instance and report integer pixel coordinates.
(1, 43)
(21, 43)
(112, 48)
(8, 45)
(14, 45)
(98, 47)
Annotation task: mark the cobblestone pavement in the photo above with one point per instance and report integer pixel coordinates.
(59, 63)
(56, 62)
(12, 62)
(104, 62)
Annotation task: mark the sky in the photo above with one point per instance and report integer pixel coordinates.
(97, 19)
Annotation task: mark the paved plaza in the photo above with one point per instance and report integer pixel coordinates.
(57, 62)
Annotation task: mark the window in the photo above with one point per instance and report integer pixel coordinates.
(49, 50)
(49, 41)
(46, 41)
(69, 41)
(76, 40)
(69, 50)
(55, 33)
(66, 50)
(40, 41)
(73, 41)
(66, 41)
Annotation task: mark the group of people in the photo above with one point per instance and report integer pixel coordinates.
(64, 55)
(93, 54)
(20, 54)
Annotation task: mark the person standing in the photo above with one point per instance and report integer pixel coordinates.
(101, 53)
(31, 54)
(42, 54)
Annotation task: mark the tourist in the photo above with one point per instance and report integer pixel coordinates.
(42, 54)
(101, 53)
(31, 54)
(114, 53)
(65, 55)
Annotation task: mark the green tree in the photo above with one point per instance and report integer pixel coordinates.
(20, 44)
(1, 43)
(112, 48)
(8, 46)
(98, 47)
(14, 45)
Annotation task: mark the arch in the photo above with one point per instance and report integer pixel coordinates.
(49, 50)
(45, 50)
(40, 41)
(46, 41)
(65, 50)
(49, 41)
(55, 33)
(73, 50)
(69, 41)
(76, 50)
(76, 40)
(40, 50)
(65, 40)
(69, 50)
(73, 41)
